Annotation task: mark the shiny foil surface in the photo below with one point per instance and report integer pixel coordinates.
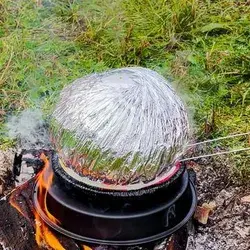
(121, 129)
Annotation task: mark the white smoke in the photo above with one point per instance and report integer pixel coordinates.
(29, 128)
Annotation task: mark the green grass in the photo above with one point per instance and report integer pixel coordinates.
(203, 45)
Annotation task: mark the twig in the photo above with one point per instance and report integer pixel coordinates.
(6, 68)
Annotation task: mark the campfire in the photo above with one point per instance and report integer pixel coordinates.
(45, 237)
(43, 234)
(106, 183)
(51, 194)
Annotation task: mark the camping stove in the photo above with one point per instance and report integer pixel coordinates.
(115, 218)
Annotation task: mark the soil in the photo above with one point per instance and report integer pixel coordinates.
(228, 226)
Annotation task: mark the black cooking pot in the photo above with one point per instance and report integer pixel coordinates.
(71, 184)
(117, 218)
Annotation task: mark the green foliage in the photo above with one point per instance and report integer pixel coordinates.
(203, 45)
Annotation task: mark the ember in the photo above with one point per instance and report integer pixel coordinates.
(13, 203)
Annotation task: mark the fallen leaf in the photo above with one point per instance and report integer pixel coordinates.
(201, 215)
(202, 212)
(211, 205)
(245, 199)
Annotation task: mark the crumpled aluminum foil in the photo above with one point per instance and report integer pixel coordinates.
(121, 129)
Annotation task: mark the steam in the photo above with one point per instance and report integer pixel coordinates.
(189, 99)
(29, 128)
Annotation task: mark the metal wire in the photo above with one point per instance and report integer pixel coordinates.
(218, 153)
(215, 154)
(219, 139)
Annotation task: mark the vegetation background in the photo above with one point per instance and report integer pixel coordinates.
(204, 45)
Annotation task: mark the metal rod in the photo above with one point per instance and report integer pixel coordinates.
(215, 154)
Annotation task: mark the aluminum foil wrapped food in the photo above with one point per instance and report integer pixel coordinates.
(121, 129)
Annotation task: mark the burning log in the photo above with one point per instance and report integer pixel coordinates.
(22, 229)
(20, 226)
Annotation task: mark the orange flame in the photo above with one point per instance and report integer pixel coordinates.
(44, 183)
(84, 247)
(43, 234)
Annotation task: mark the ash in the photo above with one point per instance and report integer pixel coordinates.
(228, 226)
(6, 162)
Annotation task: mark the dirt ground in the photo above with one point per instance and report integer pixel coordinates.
(228, 226)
